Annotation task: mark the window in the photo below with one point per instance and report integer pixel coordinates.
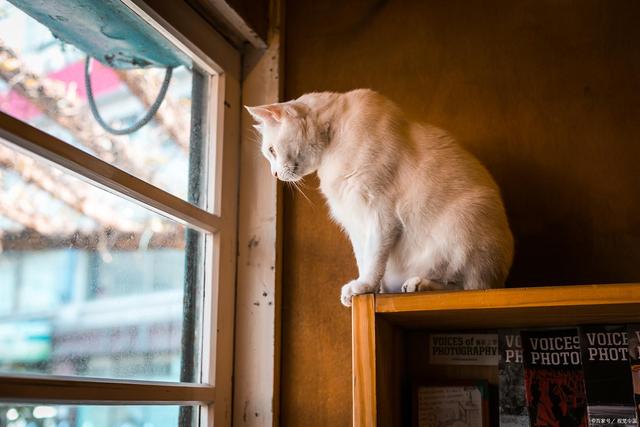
(67, 415)
(43, 84)
(117, 219)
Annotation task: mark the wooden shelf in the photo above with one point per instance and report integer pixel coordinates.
(385, 326)
(515, 307)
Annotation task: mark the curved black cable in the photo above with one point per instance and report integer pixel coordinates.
(140, 123)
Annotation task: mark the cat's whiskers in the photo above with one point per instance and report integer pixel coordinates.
(297, 186)
(255, 136)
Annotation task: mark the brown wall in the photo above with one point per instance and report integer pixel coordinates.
(545, 92)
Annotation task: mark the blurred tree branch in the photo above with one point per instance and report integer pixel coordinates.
(65, 108)
(57, 184)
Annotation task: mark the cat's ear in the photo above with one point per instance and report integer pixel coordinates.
(276, 112)
(265, 113)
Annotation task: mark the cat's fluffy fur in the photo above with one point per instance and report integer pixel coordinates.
(421, 212)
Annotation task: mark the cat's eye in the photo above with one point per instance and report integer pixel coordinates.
(272, 151)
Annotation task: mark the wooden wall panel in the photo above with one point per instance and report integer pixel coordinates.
(545, 93)
(255, 13)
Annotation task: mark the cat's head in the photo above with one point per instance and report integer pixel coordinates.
(291, 139)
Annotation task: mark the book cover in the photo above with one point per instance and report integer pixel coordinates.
(460, 405)
(554, 380)
(463, 349)
(608, 384)
(634, 362)
(512, 402)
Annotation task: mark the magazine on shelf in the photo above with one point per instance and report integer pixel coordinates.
(554, 379)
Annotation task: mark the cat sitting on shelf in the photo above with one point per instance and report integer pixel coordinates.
(421, 212)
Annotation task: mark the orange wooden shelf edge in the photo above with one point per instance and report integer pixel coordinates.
(468, 310)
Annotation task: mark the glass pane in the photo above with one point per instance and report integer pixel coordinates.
(92, 284)
(14, 415)
(42, 82)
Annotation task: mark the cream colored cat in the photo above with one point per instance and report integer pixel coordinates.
(421, 212)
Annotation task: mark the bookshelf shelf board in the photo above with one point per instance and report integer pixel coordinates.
(513, 307)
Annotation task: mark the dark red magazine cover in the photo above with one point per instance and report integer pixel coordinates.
(554, 380)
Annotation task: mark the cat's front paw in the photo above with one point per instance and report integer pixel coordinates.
(354, 287)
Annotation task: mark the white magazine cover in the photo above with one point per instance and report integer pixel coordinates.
(450, 406)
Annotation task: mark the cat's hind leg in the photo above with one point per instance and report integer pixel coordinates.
(420, 284)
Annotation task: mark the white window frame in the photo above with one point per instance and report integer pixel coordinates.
(258, 298)
(191, 33)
